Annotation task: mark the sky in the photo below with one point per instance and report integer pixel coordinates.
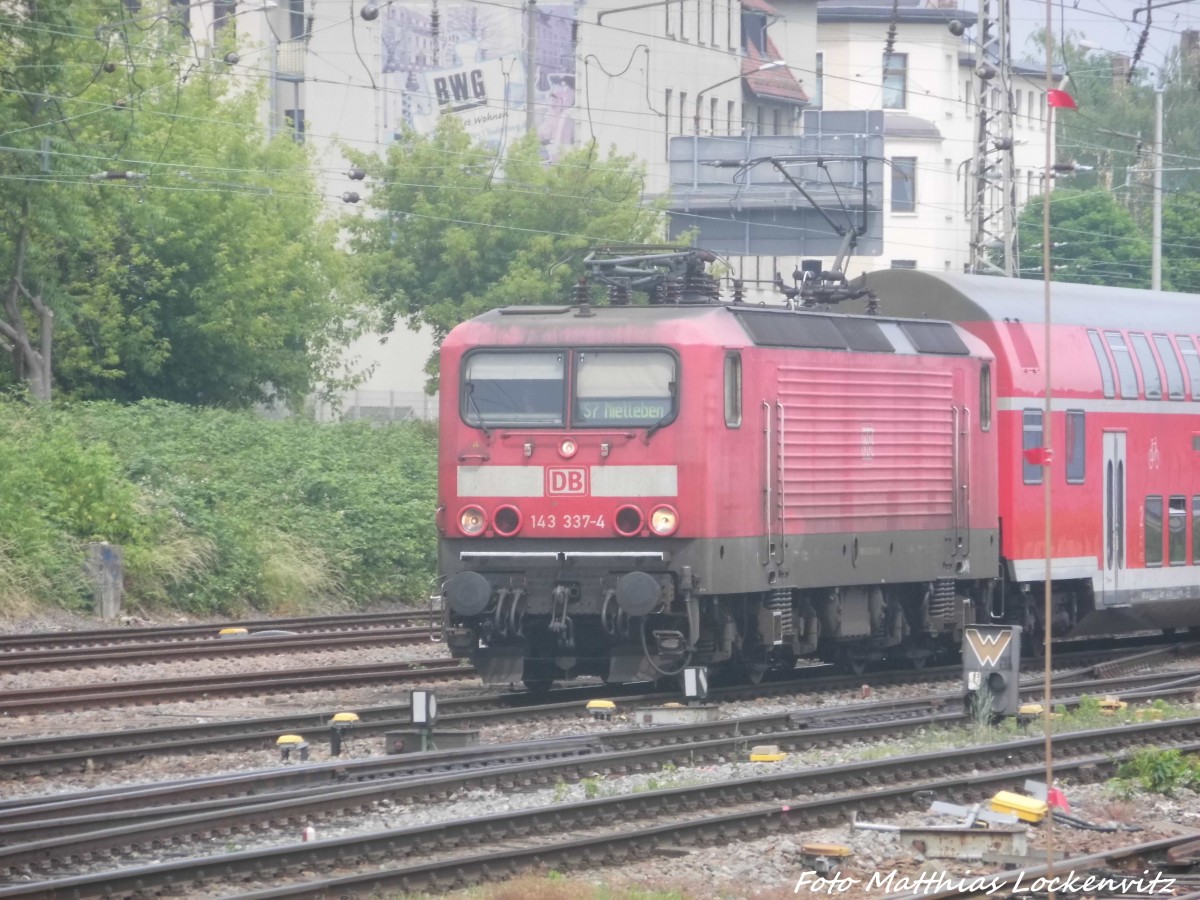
(1109, 24)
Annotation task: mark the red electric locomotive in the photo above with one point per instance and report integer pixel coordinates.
(626, 490)
(1125, 434)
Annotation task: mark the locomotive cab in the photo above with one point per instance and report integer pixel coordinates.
(557, 505)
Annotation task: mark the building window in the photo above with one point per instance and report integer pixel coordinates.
(1076, 445)
(1154, 531)
(683, 129)
(895, 80)
(733, 390)
(818, 98)
(712, 115)
(1032, 439)
(1106, 375)
(222, 10)
(904, 184)
(1151, 378)
(776, 122)
(293, 120)
(296, 19)
(731, 118)
(667, 114)
(904, 263)
(1177, 531)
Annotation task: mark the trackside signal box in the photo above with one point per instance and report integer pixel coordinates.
(991, 668)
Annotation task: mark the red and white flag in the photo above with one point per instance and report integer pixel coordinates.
(1060, 98)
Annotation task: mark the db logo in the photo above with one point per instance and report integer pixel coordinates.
(566, 481)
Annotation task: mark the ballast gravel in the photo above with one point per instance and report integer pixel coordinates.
(770, 867)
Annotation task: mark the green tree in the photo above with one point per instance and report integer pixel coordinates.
(1093, 240)
(1181, 242)
(174, 249)
(455, 230)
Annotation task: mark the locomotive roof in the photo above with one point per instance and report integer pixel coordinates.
(988, 298)
(769, 326)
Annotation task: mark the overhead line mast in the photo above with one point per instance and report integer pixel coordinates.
(993, 203)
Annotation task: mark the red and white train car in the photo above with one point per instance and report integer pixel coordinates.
(1125, 434)
(627, 490)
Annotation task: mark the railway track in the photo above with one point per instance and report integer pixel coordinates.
(273, 642)
(142, 691)
(62, 753)
(108, 637)
(89, 696)
(41, 834)
(454, 853)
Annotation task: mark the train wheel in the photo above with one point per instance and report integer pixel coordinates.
(539, 675)
(854, 663)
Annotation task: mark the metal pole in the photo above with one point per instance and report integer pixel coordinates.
(1156, 218)
(1008, 193)
(1047, 431)
(530, 65)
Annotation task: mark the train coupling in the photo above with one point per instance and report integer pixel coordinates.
(670, 644)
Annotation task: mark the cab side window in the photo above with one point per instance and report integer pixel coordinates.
(733, 390)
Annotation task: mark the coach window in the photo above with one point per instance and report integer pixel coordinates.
(513, 389)
(1075, 446)
(1196, 530)
(1106, 374)
(985, 398)
(1177, 531)
(1150, 375)
(1126, 375)
(733, 390)
(1032, 440)
(1191, 361)
(624, 388)
(1170, 364)
(1154, 531)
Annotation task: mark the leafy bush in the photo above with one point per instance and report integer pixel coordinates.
(1159, 772)
(218, 512)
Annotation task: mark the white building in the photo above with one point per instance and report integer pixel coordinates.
(344, 73)
(927, 87)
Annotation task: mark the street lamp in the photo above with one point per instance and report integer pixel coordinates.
(773, 64)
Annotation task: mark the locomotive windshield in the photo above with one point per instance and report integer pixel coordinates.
(612, 388)
(622, 388)
(514, 389)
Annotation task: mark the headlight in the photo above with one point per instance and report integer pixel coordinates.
(663, 521)
(628, 521)
(472, 520)
(506, 520)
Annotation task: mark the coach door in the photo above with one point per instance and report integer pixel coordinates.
(1113, 561)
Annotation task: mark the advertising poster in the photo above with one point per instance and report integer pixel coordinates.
(473, 66)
